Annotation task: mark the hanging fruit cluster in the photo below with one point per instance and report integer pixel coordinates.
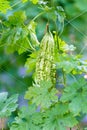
(45, 66)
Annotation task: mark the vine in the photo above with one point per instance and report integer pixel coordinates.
(59, 108)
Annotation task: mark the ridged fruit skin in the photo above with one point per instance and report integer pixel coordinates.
(45, 66)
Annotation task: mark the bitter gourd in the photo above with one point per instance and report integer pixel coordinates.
(45, 66)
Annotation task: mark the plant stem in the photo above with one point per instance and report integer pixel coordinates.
(70, 128)
(57, 40)
(47, 27)
(38, 16)
(64, 77)
(57, 36)
(30, 45)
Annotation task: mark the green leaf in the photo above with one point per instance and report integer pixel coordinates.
(79, 104)
(4, 6)
(76, 95)
(3, 96)
(17, 36)
(69, 121)
(34, 1)
(32, 34)
(70, 63)
(75, 105)
(58, 118)
(66, 97)
(16, 19)
(60, 19)
(16, 40)
(31, 62)
(44, 95)
(27, 119)
(7, 106)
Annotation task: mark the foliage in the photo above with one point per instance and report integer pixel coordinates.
(16, 34)
(4, 5)
(59, 108)
(43, 96)
(7, 105)
(71, 64)
(30, 63)
(34, 1)
(76, 96)
(58, 118)
(27, 119)
(54, 118)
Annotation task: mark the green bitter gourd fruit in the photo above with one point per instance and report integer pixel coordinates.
(45, 66)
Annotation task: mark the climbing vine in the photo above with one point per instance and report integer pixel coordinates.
(52, 61)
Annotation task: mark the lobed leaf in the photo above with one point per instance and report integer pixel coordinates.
(44, 95)
(76, 96)
(7, 105)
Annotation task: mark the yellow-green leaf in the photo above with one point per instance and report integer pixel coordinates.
(34, 1)
(4, 6)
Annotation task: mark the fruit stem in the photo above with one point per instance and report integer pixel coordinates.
(47, 27)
